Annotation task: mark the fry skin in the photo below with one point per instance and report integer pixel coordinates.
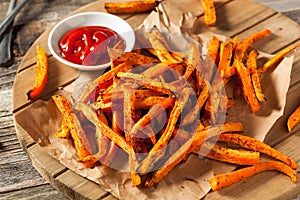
(277, 58)
(255, 77)
(294, 119)
(223, 180)
(210, 17)
(41, 74)
(225, 154)
(256, 145)
(247, 86)
(130, 6)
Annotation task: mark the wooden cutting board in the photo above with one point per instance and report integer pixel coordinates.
(242, 17)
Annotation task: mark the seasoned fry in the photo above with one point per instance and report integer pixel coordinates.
(41, 74)
(210, 17)
(65, 108)
(256, 145)
(247, 86)
(148, 83)
(193, 61)
(152, 114)
(242, 46)
(156, 152)
(154, 30)
(102, 141)
(226, 49)
(225, 154)
(277, 58)
(223, 180)
(294, 119)
(213, 49)
(255, 77)
(161, 51)
(148, 102)
(130, 6)
(62, 103)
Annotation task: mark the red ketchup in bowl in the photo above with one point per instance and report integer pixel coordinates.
(88, 45)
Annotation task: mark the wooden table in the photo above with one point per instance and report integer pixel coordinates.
(18, 178)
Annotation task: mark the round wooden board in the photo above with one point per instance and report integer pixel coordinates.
(231, 21)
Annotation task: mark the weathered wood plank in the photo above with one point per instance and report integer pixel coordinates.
(78, 187)
(17, 172)
(41, 192)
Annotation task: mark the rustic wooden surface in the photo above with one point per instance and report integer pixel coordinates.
(20, 180)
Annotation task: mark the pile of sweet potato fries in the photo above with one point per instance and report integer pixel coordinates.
(159, 106)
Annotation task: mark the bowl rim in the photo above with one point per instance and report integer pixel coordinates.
(129, 46)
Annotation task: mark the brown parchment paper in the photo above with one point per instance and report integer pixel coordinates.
(187, 180)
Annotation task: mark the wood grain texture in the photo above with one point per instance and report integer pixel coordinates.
(43, 15)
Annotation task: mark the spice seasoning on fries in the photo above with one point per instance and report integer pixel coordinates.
(41, 74)
(130, 6)
(155, 106)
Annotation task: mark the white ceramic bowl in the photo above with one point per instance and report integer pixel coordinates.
(89, 19)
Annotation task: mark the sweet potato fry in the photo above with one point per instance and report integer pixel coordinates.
(102, 141)
(41, 74)
(157, 151)
(210, 17)
(226, 50)
(294, 119)
(149, 83)
(255, 77)
(154, 30)
(130, 6)
(148, 102)
(193, 61)
(213, 49)
(65, 108)
(134, 59)
(256, 145)
(277, 58)
(152, 114)
(223, 180)
(247, 86)
(225, 154)
(161, 51)
(243, 46)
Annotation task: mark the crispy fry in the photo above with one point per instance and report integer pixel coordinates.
(256, 145)
(225, 154)
(242, 46)
(65, 108)
(148, 102)
(255, 77)
(247, 86)
(223, 180)
(148, 83)
(277, 58)
(294, 119)
(41, 74)
(226, 49)
(193, 61)
(134, 59)
(154, 30)
(152, 114)
(161, 51)
(213, 49)
(102, 141)
(157, 151)
(62, 103)
(130, 6)
(210, 17)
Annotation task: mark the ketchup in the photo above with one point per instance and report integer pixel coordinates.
(88, 45)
